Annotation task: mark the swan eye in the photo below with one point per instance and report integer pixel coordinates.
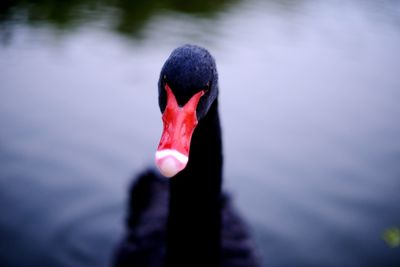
(207, 87)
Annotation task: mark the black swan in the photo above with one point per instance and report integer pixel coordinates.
(185, 220)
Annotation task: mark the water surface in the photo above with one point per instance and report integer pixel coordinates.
(309, 107)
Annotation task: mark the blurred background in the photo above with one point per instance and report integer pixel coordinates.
(310, 112)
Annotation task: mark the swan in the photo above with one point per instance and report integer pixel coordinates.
(185, 219)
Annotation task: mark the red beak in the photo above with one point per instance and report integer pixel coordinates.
(179, 123)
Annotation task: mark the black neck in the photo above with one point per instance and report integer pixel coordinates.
(194, 222)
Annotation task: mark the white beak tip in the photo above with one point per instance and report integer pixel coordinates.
(170, 163)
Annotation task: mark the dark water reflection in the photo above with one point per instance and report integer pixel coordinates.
(126, 17)
(309, 108)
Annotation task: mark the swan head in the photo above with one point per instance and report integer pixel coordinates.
(187, 87)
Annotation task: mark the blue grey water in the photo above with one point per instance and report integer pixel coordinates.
(310, 112)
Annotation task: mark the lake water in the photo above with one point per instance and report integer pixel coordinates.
(310, 112)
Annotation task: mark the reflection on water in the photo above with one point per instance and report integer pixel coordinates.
(127, 17)
(309, 94)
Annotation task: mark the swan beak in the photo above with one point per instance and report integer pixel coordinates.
(172, 154)
(170, 162)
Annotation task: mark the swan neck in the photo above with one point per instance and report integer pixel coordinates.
(194, 221)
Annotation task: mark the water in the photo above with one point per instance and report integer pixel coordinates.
(309, 106)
